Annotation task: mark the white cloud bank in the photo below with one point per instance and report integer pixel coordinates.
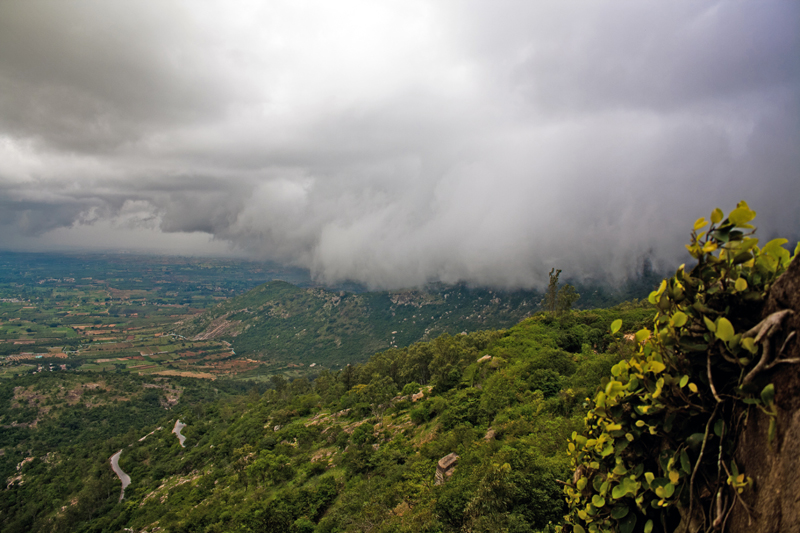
(395, 143)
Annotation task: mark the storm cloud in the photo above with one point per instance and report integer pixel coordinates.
(397, 143)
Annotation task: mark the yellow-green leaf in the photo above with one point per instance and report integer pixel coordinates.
(613, 388)
(742, 215)
(768, 394)
(684, 381)
(724, 330)
(709, 324)
(608, 450)
(699, 223)
(656, 294)
(692, 387)
(741, 284)
(679, 319)
(716, 216)
(598, 501)
(773, 245)
(749, 344)
(774, 249)
(659, 386)
(616, 325)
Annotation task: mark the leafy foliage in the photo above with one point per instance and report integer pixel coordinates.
(656, 451)
(558, 300)
(349, 451)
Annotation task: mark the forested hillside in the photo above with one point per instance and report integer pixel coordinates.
(568, 421)
(355, 450)
(279, 321)
(58, 430)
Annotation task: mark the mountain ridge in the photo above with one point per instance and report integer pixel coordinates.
(336, 327)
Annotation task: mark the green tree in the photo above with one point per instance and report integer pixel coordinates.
(270, 468)
(551, 296)
(567, 296)
(558, 301)
(379, 392)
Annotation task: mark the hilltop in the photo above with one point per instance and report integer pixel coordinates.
(281, 322)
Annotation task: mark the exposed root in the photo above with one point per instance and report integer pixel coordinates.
(689, 515)
(785, 342)
(769, 326)
(763, 332)
(711, 379)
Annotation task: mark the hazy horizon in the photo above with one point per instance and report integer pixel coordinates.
(400, 143)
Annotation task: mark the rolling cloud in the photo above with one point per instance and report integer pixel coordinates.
(397, 143)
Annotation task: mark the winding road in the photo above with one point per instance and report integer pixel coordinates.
(125, 478)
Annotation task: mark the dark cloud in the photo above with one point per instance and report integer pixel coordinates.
(398, 143)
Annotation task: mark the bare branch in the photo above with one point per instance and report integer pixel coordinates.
(710, 379)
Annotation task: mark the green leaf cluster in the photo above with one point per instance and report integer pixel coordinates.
(657, 446)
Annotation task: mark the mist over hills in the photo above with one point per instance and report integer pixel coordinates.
(358, 204)
(397, 144)
(454, 433)
(279, 321)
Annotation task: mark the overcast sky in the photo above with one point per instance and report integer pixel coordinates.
(397, 142)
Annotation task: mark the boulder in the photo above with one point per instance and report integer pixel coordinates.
(446, 467)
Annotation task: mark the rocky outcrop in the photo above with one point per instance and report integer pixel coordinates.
(446, 467)
(217, 328)
(774, 501)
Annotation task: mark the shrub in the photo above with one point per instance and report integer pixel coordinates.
(659, 438)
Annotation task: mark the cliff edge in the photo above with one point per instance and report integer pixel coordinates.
(774, 501)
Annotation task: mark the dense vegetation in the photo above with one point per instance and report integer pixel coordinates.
(102, 313)
(59, 429)
(357, 449)
(282, 322)
(657, 451)
(351, 451)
